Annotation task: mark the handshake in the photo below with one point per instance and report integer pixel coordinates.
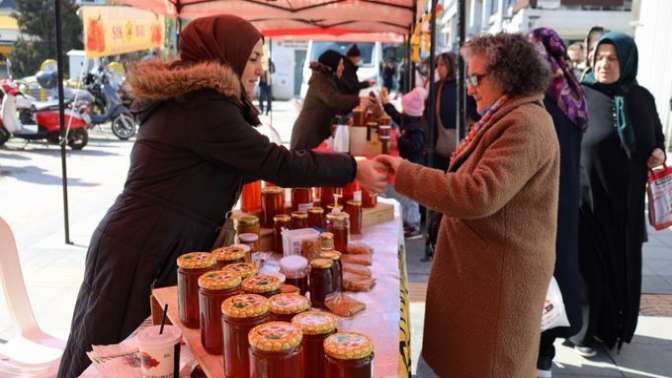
(374, 174)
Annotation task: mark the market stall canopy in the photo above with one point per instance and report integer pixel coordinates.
(304, 19)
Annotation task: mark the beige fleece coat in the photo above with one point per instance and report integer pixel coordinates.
(496, 246)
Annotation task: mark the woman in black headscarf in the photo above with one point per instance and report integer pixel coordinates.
(195, 149)
(623, 141)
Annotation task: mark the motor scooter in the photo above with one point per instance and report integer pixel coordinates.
(24, 117)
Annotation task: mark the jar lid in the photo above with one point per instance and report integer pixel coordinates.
(348, 346)
(275, 337)
(321, 263)
(299, 214)
(287, 288)
(245, 306)
(316, 209)
(326, 236)
(281, 218)
(230, 253)
(372, 123)
(261, 283)
(289, 303)
(219, 280)
(272, 190)
(315, 322)
(354, 203)
(196, 260)
(332, 255)
(338, 216)
(293, 264)
(243, 269)
(249, 220)
(248, 237)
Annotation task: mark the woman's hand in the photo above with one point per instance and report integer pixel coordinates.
(384, 96)
(392, 163)
(372, 175)
(657, 158)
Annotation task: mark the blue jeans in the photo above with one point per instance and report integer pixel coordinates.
(410, 210)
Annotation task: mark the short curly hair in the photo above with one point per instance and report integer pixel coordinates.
(515, 64)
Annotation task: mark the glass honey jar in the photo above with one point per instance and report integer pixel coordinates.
(240, 313)
(272, 204)
(262, 284)
(339, 225)
(230, 255)
(250, 241)
(299, 219)
(190, 267)
(326, 241)
(327, 196)
(249, 224)
(302, 199)
(285, 306)
(336, 268)
(316, 327)
(280, 222)
(276, 351)
(354, 210)
(295, 269)
(369, 199)
(244, 270)
(214, 287)
(348, 354)
(316, 218)
(250, 198)
(321, 281)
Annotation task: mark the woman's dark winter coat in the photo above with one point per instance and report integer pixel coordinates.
(412, 137)
(192, 154)
(323, 101)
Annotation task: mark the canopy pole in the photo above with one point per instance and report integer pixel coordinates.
(411, 64)
(61, 116)
(407, 68)
(461, 74)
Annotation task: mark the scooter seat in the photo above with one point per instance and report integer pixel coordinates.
(48, 105)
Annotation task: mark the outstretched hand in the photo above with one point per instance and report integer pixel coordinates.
(372, 175)
(391, 162)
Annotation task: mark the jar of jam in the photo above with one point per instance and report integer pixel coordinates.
(250, 198)
(276, 350)
(369, 199)
(250, 241)
(272, 204)
(385, 135)
(339, 225)
(214, 288)
(354, 210)
(348, 354)
(285, 306)
(240, 313)
(302, 199)
(321, 281)
(299, 219)
(351, 191)
(326, 241)
(295, 269)
(244, 270)
(316, 327)
(280, 222)
(316, 218)
(262, 284)
(232, 254)
(336, 268)
(190, 267)
(327, 196)
(248, 224)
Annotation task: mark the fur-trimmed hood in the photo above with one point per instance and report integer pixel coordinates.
(323, 68)
(159, 80)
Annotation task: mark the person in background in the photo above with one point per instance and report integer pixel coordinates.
(623, 141)
(195, 149)
(577, 59)
(590, 42)
(565, 102)
(323, 101)
(350, 82)
(411, 147)
(265, 87)
(389, 71)
(496, 250)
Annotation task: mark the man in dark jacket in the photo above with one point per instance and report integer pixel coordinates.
(350, 82)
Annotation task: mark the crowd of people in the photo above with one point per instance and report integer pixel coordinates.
(549, 182)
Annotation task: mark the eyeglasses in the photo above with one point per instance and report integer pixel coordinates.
(473, 80)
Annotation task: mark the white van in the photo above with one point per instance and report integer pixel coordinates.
(369, 67)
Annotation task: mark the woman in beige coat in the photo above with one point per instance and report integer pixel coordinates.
(496, 246)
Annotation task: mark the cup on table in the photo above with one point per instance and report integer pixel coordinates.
(160, 353)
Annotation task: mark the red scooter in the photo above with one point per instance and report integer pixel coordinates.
(24, 117)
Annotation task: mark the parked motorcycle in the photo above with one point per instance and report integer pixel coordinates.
(24, 117)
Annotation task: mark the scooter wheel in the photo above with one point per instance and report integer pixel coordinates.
(78, 138)
(4, 136)
(123, 127)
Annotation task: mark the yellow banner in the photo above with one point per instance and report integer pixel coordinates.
(119, 30)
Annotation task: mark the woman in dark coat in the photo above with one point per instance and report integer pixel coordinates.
(565, 102)
(325, 99)
(195, 149)
(624, 139)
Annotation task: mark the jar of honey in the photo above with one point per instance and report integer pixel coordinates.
(232, 254)
(369, 199)
(339, 225)
(302, 199)
(326, 241)
(276, 351)
(280, 222)
(354, 210)
(316, 327)
(248, 224)
(250, 241)
(321, 281)
(240, 313)
(385, 136)
(250, 198)
(295, 269)
(214, 288)
(285, 306)
(299, 219)
(244, 270)
(262, 284)
(351, 191)
(336, 268)
(272, 204)
(327, 196)
(190, 267)
(348, 354)
(316, 218)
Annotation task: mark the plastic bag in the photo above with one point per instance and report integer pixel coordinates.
(554, 314)
(659, 194)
